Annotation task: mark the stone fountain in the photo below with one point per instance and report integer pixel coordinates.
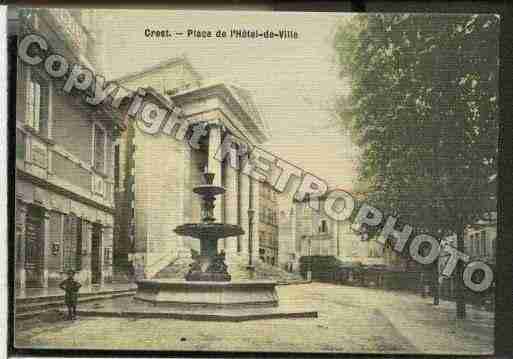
(208, 282)
(209, 265)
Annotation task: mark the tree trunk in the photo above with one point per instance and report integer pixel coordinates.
(435, 284)
(460, 295)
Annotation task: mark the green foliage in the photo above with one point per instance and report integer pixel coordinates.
(423, 109)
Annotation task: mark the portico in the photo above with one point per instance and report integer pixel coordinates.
(227, 111)
(166, 168)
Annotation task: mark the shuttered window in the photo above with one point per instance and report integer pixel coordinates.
(484, 239)
(99, 148)
(38, 96)
(20, 145)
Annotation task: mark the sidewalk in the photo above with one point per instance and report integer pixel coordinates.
(57, 292)
(350, 320)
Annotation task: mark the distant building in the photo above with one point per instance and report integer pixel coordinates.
(481, 240)
(480, 243)
(268, 233)
(306, 231)
(158, 172)
(64, 159)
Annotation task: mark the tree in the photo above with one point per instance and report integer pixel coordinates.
(423, 109)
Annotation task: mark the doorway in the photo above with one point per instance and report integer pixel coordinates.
(96, 254)
(34, 247)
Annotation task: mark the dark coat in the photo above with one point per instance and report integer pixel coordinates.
(71, 287)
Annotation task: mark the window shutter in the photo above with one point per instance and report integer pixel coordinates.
(37, 105)
(79, 244)
(99, 148)
(30, 104)
(44, 98)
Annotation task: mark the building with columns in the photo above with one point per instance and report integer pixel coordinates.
(157, 172)
(64, 159)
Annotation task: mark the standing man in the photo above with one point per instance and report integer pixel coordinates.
(71, 287)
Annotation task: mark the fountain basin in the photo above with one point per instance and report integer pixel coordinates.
(203, 294)
(208, 190)
(211, 231)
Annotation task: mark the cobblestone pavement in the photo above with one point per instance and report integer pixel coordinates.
(351, 319)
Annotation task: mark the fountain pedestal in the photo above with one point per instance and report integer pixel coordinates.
(204, 294)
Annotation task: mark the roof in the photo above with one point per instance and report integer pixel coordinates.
(182, 59)
(245, 99)
(235, 97)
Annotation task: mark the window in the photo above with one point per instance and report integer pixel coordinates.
(484, 251)
(324, 226)
(38, 100)
(20, 145)
(99, 141)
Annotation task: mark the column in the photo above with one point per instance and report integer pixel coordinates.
(230, 201)
(214, 165)
(46, 238)
(256, 221)
(102, 256)
(184, 244)
(21, 216)
(244, 201)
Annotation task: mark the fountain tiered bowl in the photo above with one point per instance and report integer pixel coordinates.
(208, 282)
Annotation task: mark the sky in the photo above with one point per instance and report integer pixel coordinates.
(294, 83)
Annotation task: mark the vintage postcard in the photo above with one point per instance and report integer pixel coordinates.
(254, 181)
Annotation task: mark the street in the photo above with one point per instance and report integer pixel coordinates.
(351, 319)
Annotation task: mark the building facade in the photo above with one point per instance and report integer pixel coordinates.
(481, 240)
(268, 225)
(159, 171)
(64, 160)
(307, 231)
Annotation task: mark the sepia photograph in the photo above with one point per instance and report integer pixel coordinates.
(252, 181)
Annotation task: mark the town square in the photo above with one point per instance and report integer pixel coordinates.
(318, 183)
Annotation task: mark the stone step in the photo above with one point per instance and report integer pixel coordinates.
(232, 316)
(237, 267)
(28, 309)
(55, 297)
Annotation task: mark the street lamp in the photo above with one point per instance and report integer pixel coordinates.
(310, 262)
(251, 215)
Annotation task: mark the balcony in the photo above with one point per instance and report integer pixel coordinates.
(51, 164)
